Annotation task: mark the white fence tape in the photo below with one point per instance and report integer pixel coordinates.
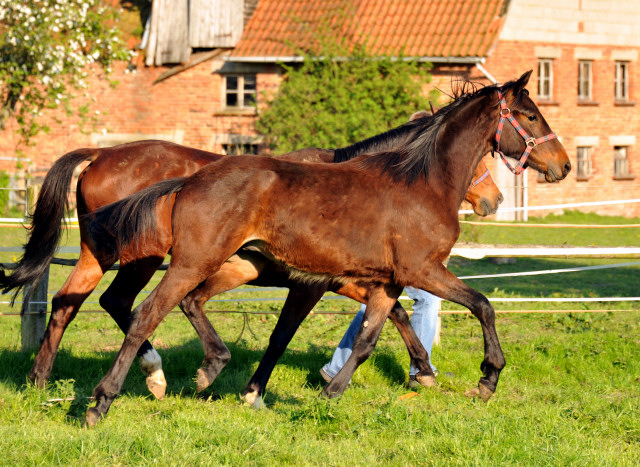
(551, 271)
(560, 206)
(481, 251)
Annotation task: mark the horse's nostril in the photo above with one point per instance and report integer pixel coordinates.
(500, 198)
(567, 168)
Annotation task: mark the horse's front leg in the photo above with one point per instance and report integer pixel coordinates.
(236, 271)
(118, 301)
(300, 301)
(381, 300)
(418, 354)
(444, 284)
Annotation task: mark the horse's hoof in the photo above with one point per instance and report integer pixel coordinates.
(202, 380)
(92, 417)
(254, 400)
(473, 392)
(428, 381)
(484, 392)
(157, 384)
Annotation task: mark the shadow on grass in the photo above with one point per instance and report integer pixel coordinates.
(79, 374)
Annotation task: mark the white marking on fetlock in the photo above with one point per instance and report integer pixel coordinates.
(254, 400)
(151, 365)
(151, 362)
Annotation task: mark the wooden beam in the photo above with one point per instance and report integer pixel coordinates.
(196, 59)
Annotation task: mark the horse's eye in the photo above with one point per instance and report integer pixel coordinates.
(532, 118)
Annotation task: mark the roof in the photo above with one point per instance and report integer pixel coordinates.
(280, 29)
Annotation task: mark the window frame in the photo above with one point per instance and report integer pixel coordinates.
(621, 81)
(246, 148)
(240, 92)
(585, 66)
(621, 162)
(545, 78)
(584, 167)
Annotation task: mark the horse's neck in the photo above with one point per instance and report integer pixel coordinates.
(460, 153)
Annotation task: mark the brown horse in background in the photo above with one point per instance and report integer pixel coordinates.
(309, 218)
(117, 172)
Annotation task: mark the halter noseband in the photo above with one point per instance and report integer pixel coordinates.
(529, 141)
(479, 180)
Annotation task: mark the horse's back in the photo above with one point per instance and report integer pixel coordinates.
(122, 170)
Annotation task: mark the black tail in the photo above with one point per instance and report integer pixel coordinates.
(124, 222)
(46, 224)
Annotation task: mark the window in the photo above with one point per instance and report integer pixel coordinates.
(620, 162)
(240, 91)
(235, 149)
(584, 80)
(584, 162)
(545, 78)
(622, 81)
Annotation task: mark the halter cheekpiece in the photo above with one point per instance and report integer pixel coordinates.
(479, 180)
(529, 141)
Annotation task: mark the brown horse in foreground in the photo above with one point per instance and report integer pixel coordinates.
(117, 172)
(309, 218)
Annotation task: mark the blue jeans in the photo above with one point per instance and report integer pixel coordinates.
(424, 321)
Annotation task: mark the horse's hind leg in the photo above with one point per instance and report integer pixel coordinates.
(300, 301)
(172, 288)
(418, 354)
(381, 300)
(65, 305)
(443, 283)
(118, 301)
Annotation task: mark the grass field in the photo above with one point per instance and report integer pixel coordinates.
(570, 393)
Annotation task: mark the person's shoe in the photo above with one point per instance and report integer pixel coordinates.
(325, 375)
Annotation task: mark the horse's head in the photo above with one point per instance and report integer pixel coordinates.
(534, 138)
(484, 195)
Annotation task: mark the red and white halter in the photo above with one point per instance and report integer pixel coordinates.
(530, 141)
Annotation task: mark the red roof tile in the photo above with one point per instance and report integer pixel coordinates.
(424, 28)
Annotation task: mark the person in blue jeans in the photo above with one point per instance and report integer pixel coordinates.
(424, 321)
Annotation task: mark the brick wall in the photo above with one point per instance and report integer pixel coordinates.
(188, 108)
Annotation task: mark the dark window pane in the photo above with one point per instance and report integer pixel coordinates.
(250, 82)
(232, 100)
(232, 82)
(249, 99)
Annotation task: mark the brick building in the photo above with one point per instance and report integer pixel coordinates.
(584, 54)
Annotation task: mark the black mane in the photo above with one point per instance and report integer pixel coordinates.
(394, 138)
(412, 159)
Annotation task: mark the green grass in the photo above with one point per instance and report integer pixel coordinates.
(570, 393)
(496, 235)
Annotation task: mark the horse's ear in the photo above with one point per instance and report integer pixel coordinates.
(522, 82)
